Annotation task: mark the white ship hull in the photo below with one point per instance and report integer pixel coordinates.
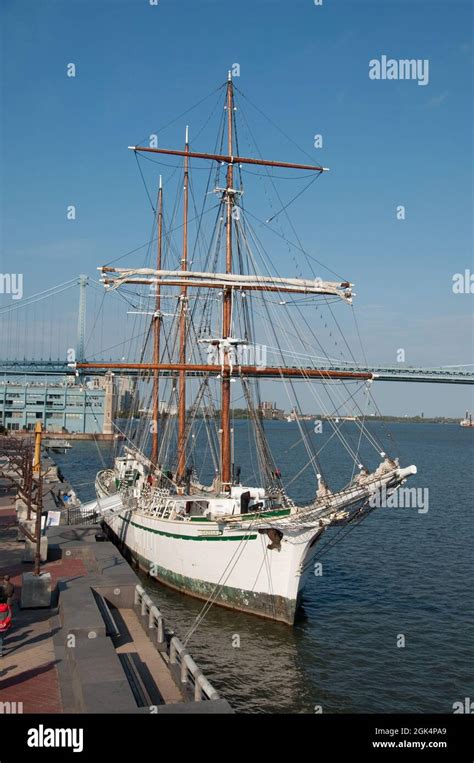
(233, 565)
(233, 561)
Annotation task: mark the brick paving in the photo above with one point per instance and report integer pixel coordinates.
(28, 671)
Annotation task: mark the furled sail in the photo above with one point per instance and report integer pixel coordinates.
(197, 279)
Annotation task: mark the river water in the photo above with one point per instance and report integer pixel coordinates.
(388, 625)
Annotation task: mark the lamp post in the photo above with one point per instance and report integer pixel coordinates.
(39, 495)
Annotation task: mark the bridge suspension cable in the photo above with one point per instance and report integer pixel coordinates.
(40, 295)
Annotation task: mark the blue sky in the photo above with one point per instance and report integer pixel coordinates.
(388, 143)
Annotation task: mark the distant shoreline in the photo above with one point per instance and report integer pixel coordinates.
(239, 413)
(414, 419)
(389, 419)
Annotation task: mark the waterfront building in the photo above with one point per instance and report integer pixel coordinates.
(60, 406)
(268, 410)
(125, 394)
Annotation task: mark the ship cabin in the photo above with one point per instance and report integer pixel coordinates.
(241, 500)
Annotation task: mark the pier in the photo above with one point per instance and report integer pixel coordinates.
(102, 645)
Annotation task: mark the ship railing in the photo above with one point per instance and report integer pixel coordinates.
(187, 675)
(126, 491)
(158, 503)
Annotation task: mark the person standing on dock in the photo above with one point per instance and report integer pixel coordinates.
(9, 589)
(5, 618)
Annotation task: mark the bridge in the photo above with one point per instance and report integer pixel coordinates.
(402, 373)
(37, 324)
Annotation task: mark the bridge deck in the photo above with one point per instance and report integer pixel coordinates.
(459, 375)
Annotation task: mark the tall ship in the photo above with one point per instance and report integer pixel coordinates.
(176, 496)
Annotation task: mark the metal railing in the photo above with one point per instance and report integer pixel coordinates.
(75, 515)
(187, 675)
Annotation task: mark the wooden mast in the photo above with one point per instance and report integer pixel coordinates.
(156, 336)
(182, 368)
(181, 467)
(226, 466)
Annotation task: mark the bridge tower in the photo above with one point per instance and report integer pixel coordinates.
(81, 320)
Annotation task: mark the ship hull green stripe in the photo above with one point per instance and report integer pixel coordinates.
(187, 537)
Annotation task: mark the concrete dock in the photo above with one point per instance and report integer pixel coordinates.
(102, 646)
